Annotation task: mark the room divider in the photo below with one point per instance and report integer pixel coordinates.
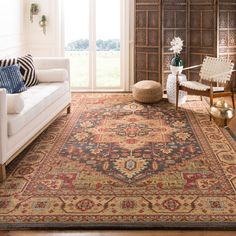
(208, 27)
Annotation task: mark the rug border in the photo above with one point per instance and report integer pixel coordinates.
(230, 226)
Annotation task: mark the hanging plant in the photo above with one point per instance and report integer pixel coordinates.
(43, 23)
(34, 10)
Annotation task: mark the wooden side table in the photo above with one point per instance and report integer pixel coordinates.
(171, 89)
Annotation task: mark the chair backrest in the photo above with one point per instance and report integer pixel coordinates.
(216, 69)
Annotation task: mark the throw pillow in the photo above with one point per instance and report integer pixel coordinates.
(11, 79)
(27, 68)
(52, 75)
(15, 103)
(8, 62)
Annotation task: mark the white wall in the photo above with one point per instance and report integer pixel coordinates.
(38, 43)
(12, 35)
(19, 36)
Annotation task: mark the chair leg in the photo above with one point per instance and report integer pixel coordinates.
(211, 103)
(68, 110)
(177, 99)
(201, 98)
(211, 98)
(177, 93)
(233, 102)
(2, 172)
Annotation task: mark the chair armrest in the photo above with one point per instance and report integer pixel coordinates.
(192, 67)
(44, 63)
(3, 125)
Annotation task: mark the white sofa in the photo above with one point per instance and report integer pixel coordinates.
(42, 104)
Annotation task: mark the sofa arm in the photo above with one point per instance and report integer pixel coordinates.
(3, 125)
(44, 63)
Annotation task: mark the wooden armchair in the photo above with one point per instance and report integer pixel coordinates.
(213, 71)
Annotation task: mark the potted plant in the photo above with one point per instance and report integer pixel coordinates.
(43, 23)
(34, 10)
(176, 64)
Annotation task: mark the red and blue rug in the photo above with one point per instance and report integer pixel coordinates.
(114, 163)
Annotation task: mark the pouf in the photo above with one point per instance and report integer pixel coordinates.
(147, 91)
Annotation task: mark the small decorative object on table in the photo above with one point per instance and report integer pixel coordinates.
(43, 23)
(176, 66)
(34, 10)
(176, 62)
(222, 113)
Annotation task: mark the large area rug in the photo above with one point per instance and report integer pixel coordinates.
(114, 163)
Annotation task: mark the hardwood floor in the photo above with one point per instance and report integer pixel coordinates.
(232, 126)
(119, 233)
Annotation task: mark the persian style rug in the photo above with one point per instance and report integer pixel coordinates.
(114, 163)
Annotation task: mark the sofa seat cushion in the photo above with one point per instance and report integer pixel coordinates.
(36, 100)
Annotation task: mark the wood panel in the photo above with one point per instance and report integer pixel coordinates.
(227, 31)
(202, 32)
(208, 27)
(147, 40)
(174, 24)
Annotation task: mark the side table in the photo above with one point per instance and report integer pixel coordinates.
(171, 89)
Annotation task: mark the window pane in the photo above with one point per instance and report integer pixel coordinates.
(77, 40)
(108, 43)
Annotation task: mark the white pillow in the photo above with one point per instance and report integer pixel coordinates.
(15, 103)
(52, 75)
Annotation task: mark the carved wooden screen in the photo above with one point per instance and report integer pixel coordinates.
(227, 31)
(147, 40)
(202, 32)
(197, 22)
(174, 24)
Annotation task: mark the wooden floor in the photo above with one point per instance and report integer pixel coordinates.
(232, 126)
(119, 233)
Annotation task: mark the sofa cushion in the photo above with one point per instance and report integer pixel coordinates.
(36, 100)
(11, 79)
(52, 75)
(27, 68)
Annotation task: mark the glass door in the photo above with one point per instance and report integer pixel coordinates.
(77, 41)
(93, 42)
(108, 44)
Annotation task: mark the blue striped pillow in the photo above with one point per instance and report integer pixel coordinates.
(11, 79)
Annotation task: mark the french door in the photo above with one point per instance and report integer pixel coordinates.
(97, 41)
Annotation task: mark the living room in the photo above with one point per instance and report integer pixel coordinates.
(117, 117)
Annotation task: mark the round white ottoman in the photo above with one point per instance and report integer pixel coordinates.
(147, 91)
